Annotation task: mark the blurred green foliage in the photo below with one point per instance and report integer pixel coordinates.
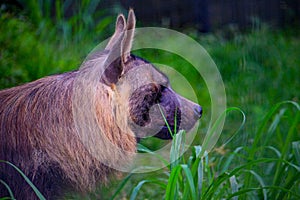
(41, 40)
(260, 67)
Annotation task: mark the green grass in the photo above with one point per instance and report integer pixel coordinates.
(260, 68)
(263, 170)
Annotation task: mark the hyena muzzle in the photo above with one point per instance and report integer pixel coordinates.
(41, 122)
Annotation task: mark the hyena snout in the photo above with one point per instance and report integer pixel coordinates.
(157, 110)
(180, 114)
(197, 111)
(190, 113)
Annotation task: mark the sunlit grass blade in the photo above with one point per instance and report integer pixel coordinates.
(233, 185)
(191, 186)
(137, 188)
(177, 148)
(172, 190)
(37, 192)
(200, 177)
(198, 167)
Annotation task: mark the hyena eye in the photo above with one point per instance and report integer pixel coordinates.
(141, 101)
(161, 92)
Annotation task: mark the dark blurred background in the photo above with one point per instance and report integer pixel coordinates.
(204, 15)
(254, 43)
(214, 14)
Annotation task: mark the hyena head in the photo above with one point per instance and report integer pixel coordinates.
(144, 89)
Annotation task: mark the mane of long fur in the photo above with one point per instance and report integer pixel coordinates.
(39, 134)
(69, 131)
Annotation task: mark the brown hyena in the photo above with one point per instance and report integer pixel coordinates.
(70, 131)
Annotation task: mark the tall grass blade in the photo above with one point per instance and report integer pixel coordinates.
(284, 152)
(296, 149)
(137, 189)
(200, 177)
(275, 188)
(121, 186)
(141, 183)
(8, 189)
(196, 164)
(172, 190)
(292, 181)
(228, 110)
(276, 120)
(175, 121)
(276, 151)
(233, 185)
(259, 134)
(191, 184)
(177, 148)
(263, 125)
(226, 175)
(261, 182)
(229, 159)
(165, 120)
(37, 192)
(212, 137)
(198, 168)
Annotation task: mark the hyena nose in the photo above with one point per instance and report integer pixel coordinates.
(198, 111)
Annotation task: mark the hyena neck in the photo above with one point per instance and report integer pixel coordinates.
(40, 113)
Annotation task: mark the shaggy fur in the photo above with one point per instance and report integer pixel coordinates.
(37, 135)
(70, 131)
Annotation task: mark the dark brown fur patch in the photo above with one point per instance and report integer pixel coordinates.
(141, 101)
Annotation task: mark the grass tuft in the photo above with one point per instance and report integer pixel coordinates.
(195, 177)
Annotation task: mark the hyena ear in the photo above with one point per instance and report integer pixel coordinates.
(119, 32)
(129, 35)
(119, 47)
(113, 65)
